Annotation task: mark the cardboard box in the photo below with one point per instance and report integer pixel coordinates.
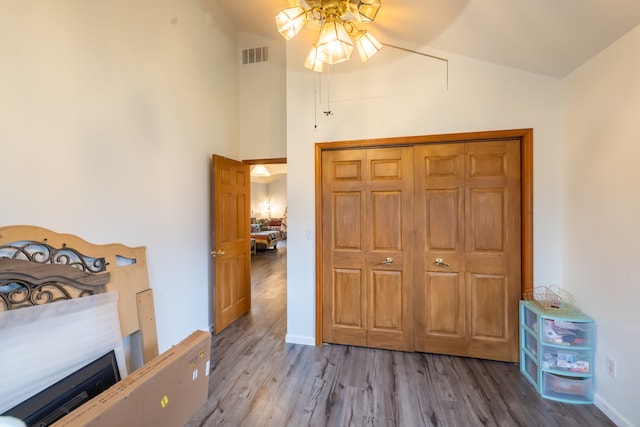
(166, 392)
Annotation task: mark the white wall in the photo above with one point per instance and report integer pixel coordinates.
(109, 113)
(258, 196)
(262, 102)
(397, 94)
(275, 192)
(602, 208)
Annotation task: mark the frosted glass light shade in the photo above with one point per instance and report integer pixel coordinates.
(334, 44)
(290, 21)
(313, 61)
(365, 10)
(367, 45)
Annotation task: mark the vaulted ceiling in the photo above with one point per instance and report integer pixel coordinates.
(548, 37)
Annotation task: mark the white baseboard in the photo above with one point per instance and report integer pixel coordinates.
(611, 412)
(300, 339)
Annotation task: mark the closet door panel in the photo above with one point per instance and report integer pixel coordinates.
(367, 247)
(387, 317)
(488, 303)
(347, 298)
(386, 221)
(468, 209)
(390, 248)
(347, 235)
(442, 234)
(493, 249)
(344, 248)
(440, 281)
(487, 220)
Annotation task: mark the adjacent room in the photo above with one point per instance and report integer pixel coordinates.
(111, 112)
(268, 205)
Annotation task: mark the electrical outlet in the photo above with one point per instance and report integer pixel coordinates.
(611, 367)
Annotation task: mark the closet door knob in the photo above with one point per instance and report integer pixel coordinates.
(217, 253)
(387, 261)
(440, 263)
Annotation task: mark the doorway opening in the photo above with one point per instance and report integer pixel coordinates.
(268, 218)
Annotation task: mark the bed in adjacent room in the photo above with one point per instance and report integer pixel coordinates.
(267, 239)
(267, 233)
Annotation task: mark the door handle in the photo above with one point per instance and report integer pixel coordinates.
(217, 253)
(387, 261)
(440, 263)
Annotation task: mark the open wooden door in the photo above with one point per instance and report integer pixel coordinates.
(231, 251)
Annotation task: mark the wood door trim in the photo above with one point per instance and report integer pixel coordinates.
(270, 161)
(526, 169)
(319, 230)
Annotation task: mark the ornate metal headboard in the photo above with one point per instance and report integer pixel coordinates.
(24, 283)
(38, 266)
(44, 253)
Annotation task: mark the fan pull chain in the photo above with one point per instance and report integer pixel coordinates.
(328, 112)
(316, 100)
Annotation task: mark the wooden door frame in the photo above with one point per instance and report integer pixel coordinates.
(274, 161)
(525, 136)
(270, 161)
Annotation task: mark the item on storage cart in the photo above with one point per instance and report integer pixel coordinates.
(549, 361)
(552, 299)
(564, 333)
(581, 366)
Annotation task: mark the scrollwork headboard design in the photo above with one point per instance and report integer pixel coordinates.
(44, 253)
(64, 265)
(24, 283)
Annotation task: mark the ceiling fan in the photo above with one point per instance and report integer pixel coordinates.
(341, 26)
(340, 23)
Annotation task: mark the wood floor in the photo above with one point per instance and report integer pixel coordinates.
(257, 379)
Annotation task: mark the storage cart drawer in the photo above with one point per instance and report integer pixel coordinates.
(567, 333)
(530, 319)
(531, 344)
(567, 389)
(531, 369)
(566, 360)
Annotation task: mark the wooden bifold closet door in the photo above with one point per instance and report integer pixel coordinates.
(467, 274)
(368, 253)
(421, 248)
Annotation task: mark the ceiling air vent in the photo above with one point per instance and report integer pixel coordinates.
(255, 55)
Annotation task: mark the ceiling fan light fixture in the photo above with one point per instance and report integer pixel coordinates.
(313, 61)
(367, 45)
(338, 32)
(290, 21)
(334, 44)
